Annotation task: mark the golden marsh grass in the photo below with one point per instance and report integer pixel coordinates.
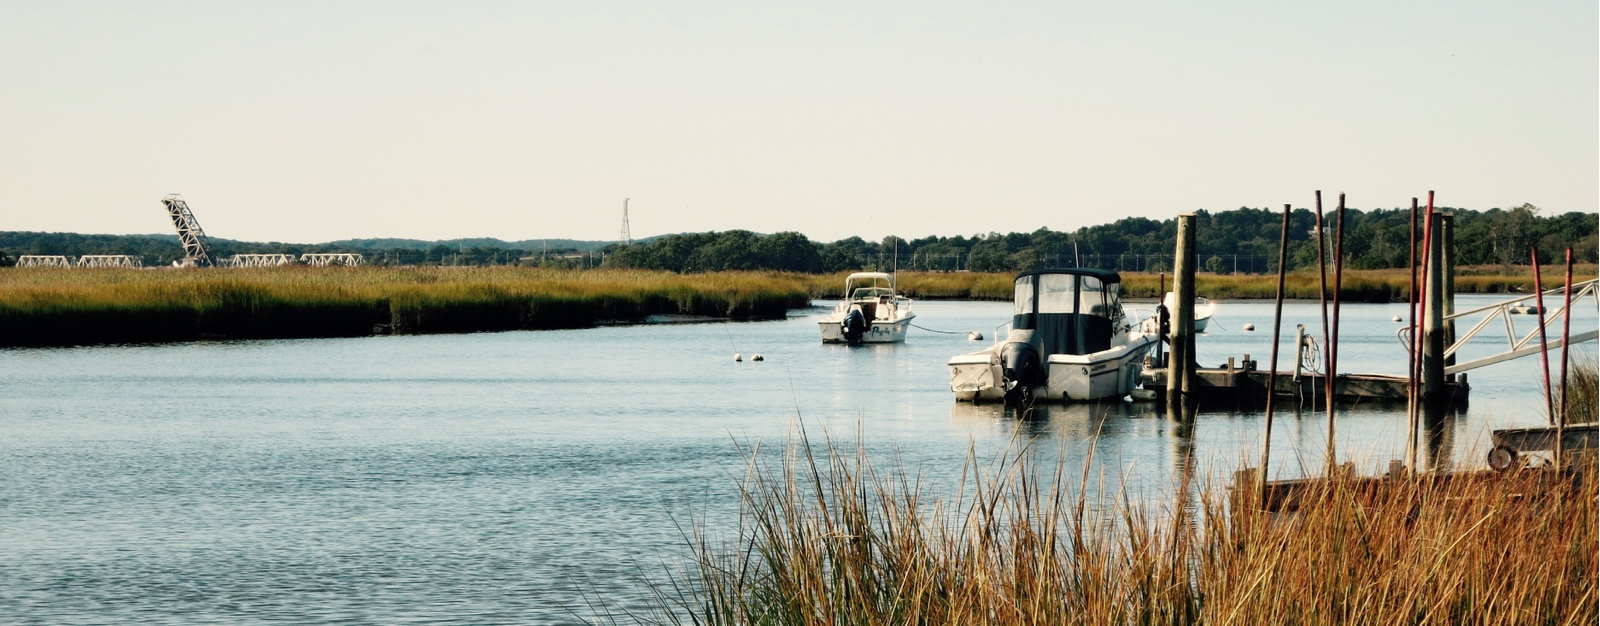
(40, 306)
(834, 540)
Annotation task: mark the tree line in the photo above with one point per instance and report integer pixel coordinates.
(1240, 240)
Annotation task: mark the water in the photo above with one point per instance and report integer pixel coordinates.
(528, 477)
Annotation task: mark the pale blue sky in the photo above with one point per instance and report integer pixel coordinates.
(326, 120)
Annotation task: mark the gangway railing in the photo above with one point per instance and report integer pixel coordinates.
(1518, 345)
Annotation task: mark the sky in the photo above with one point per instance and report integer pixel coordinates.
(317, 121)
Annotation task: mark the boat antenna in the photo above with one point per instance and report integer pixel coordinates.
(1077, 261)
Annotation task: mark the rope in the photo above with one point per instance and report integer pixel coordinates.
(942, 332)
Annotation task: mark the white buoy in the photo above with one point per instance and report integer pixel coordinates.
(974, 336)
(1395, 318)
(737, 357)
(1249, 326)
(756, 357)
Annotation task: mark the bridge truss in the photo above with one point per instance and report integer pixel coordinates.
(109, 260)
(326, 259)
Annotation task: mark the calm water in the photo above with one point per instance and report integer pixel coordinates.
(522, 477)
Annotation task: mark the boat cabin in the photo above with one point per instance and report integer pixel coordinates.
(869, 290)
(1071, 311)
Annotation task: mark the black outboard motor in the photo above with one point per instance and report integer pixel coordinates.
(1019, 364)
(853, 326)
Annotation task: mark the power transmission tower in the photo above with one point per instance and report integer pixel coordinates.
(627, 237)
(196, 248)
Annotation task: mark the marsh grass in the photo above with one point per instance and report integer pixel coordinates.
(834, 540)
(1359, 285)
(1582, 390)
(40, 306)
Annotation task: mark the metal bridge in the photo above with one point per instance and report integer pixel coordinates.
(326, 259)
(260, 260)
(1518, 344)
(109, 260)
(43, 260)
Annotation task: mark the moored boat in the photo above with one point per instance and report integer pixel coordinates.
(1203, 310)
(1069, 340)
(871, 312)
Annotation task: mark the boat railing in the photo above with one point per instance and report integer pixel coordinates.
(1001, 332)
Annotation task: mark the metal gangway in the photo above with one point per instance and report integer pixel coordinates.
(1519, 344)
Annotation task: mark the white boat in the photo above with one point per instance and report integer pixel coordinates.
(1203, 310)
(1069, 340)
(871, 312)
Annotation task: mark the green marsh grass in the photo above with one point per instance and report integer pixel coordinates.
(43, 306)
(835, 540)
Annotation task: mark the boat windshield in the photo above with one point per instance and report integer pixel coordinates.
(1056, 293)
(870, 293)
(1067, 293)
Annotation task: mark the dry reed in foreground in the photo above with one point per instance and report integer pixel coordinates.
(1582, 390)
(836, 541)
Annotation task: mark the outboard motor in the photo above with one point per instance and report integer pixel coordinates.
(1019, 364)
(853, 326)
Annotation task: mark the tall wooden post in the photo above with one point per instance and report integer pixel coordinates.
(1412, 397)
(1433, 330)
(1180, 362)
(1272, 371)
(1447, 233)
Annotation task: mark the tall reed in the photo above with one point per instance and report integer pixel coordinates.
(1582, 391)
(833, 540)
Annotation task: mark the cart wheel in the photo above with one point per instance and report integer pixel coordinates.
(1502, 458)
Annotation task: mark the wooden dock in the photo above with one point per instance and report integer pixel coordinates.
(1248, 384)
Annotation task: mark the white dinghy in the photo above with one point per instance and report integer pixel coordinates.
(871, 312)
(1069, 340)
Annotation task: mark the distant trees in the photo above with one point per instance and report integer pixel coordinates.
(1243, 240)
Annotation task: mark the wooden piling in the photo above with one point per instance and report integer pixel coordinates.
(1433, 312)
(1566, 340)
(1333, 337)
(1544, 344)
(1447, 235)
(1322, 304)
(1411, 364)
(1181, 363)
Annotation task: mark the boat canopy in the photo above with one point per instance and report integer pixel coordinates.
(865, 285)
(1069, 310)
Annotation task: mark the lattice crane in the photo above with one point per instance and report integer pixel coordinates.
(196, 248)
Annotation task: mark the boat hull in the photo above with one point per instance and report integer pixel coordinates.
(881, 331)
(1112, 373)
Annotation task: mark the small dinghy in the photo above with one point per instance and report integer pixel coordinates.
(1069, 340)
(871, 312)
(1203, 310)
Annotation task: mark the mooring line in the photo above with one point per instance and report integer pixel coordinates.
(942, 332)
